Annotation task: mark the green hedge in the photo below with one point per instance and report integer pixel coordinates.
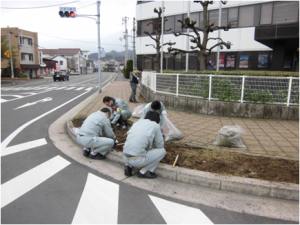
(240, 72)
(129, 68)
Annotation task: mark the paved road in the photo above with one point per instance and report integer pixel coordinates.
(40, 184)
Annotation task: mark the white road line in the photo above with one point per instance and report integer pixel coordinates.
(23, 147)
(79, 88)
(17, 96)
(98, 203)
(69, 88)
(84, 81)
(174, 213)
(3, 100)
(60, 88)
(17, 131)
(88, 89)
(18, 186)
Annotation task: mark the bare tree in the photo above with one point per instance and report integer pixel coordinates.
(201, 45)
(156, 35)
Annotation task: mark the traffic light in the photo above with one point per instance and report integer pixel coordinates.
(66, 12)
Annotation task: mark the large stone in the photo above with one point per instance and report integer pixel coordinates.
(293, 113)
(191, 105)
(274, 112)
(180, 103)
(202, 106)
(216, 108)
(249, 110)
(232, 109)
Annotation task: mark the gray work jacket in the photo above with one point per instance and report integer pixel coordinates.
(95, 124)
(118, 106)
(141, 136)
(147, 108)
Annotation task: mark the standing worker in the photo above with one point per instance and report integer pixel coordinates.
(91, 130)
(134, 83)
(138, 152)
(120, 111)
(158, 107)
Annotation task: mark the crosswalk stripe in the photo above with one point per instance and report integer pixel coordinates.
(18, 186)
(79, 88)
(60, 88)
(3, 100)
(98, 203)
(23, 147)
(70, 88)
(174, 213)
(88, 89)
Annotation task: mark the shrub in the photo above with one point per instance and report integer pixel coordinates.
(129, 68)
(22, 75)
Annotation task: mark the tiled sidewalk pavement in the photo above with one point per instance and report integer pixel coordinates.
(263, 136)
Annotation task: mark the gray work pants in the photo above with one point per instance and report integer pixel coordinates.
(150, 161)
(133, 87)
(101, 144)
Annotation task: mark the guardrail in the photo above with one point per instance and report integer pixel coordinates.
(271, 90)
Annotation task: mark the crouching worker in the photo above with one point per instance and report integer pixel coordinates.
(120, 111)
(91, 130)
(138, 152)
(158, 107)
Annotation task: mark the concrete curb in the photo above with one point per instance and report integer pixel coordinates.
(241, 185)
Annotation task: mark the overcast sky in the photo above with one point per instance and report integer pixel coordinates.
(81, 32)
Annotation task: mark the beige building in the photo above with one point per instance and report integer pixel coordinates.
(26, 46)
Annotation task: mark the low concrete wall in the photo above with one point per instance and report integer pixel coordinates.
(223, 108)
(16, 78)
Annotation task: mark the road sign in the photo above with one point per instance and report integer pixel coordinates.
(7, 53)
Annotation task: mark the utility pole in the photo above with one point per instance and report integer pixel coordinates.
(11, 62)
(162, 38)
(219, 34)
(124, 19)
(134, 54)
(99, 45)
(187, 42)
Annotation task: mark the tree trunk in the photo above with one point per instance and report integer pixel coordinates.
(202, 60)
(157, 62)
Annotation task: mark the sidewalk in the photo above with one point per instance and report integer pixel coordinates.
(263, 137)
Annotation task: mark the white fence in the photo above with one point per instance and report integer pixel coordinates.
(255, 89)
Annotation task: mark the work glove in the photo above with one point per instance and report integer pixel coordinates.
(138, 78)
(116, 142)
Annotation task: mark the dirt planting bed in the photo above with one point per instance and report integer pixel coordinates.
(221, 162)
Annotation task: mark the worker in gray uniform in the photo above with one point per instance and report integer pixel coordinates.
(120, 111)
(158, 107)
(137, 150)
(134, 83)
(91, 130)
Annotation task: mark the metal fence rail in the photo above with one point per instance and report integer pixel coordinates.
(276, 90)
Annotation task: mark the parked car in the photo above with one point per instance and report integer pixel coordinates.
(74, 73)
(61, 76)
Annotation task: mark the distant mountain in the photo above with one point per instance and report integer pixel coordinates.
(118, 56)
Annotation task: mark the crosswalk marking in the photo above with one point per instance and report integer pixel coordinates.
(79, 88)
(174, 213)
(18, 186)
(98, 203)
(3, 100)
(23, 147)
(45, 88)
(69, 88)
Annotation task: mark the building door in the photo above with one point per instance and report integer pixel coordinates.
(30, 73)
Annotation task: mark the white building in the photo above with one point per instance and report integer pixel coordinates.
(62, 63)
(264, 34)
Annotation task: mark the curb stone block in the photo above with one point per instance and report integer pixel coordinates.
(199, 178)
(191, 105)
(215, 108)
(274, 112)
(293, 113)
(167, 171)
(202, 106)
(232, 109)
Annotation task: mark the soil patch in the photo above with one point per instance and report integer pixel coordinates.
(221, 162)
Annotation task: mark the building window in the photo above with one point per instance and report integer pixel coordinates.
(30, 57)
(178, 24)
(285, 12)
(29, 41)
(61, 63)
(249, 16)
(214, 17)
(233, 16)
(22, 56)
(144, 27)
(266, 13)
(170, 24)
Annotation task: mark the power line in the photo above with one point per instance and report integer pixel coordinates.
(38, 7)
(87, 6)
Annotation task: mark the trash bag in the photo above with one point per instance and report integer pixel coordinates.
(170, 132)
(230, 136)
(138, 111)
